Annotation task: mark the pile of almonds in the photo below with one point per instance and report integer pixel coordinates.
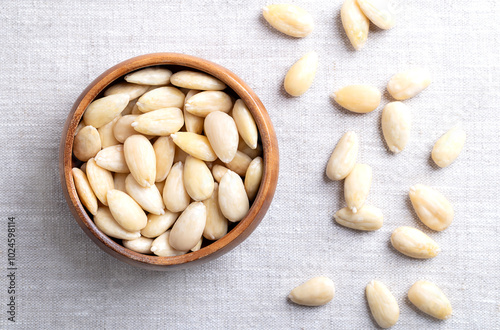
(168, 160)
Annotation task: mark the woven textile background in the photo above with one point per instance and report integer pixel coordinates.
(51, 50)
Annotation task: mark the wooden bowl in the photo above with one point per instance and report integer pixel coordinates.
(234, 237)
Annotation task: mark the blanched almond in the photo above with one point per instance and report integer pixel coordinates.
(203, 103)
(356, 186)
(429, 298)
(315, 292)
(245, 124)
(218, 171)
(159, 98)
(132, 90)
(194, 124)
(162, 248)
(343, 157)
(222, 134)
(407, 84)
(253, 177)
(164, 149)
(358, 98)
(82, 185)
(100, 180)
(104, 220)
(355, 23)
(188, 228)
(141, 159)
(150, 76)
(367, 218)
(123, 128)
(158, 224)
(160, 122)
(106, 134)
(383, 305)
(87, 143)
(149, 198)
(112, 159)
(216, 226)
(196, 80)
(103, 110)
(174, 193)
(126, 211)
(240, 163)
(379, 12)
(301, 74)
(198, 179)
(414, 243)
(289, 19)
(449, 146)
(233, 199)
(194, 144)
(432, 208)
(119, 180)
(140, 245)
(396, 124)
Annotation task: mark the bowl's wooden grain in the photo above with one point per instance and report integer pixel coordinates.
(241, 231)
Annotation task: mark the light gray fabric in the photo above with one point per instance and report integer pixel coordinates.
(51, 50)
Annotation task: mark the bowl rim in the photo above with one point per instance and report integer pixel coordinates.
(261, 202)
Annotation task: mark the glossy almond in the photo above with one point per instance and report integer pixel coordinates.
(300, 76)
(196, 80)
(315, 292)
(355, 23)
(126, 211)
(358, 98)
(161, 246)
(87, 143)
(356, 186)
(432, 208)
(253, 177)
(141, 159)
(289, 19)
(174, 194)
(150, 76)
(112, 159)
(164, 149)
(82, 185)
(106, 134)
(216, 225)
(103, 110)
(429, 298)
(245, 123)
(188, 228)
(194, 124)
(158, 224)
(233, 199)
(198, 179)
(383, 305)
(132, 90)
(139, 245)
(218, 171)
(414, 243)
(222, 134)
(367, 218)
(396, 124)
(407, 84)
(104, 220)
(149, 198)
(203, 103)
(343, 157)
(123, 128)
(195, 145)
(100, 179)
(161, 122)
(160, 98)
(240, 163)
(449, 146)
(379, 12)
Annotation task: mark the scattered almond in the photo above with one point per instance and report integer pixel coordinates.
(355, 23)
(367, 218)
(315, 292)
(427, 297)
(414, 243)
(449, 146)
(383, 305)
(358, 98)
(289, 19)
(344, 156)
(407, 84)
(396, 124)
(433, 209)
(356, 186)
(301, 74)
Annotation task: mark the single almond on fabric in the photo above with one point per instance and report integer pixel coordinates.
(196, 145)
(160, 122)
(150, 76)
(432, 208)
(104, 220)
(358, 98)
(198, 179)
(174, 194)
(149, 198)
(233, 199)
(140, 245)
(222, 134)
(160, 98)
(141, 159)
(112, 159)
(449, 146)
(252, 153)
(194, 124)
(367, 218)
(103, 110)
(356, 186)
(300, 76)
(245, 124)
(162, 248)
(355, 23)
(188, 228)
(164, 148)
(289, 19)
(126, 211)
(414, 243)
(119, 180)
(158, 224)
(383, 305)
(396, 124)
(87, 143)
(315, 292)
(132, 90)
(240, 163)
(196, 80)
(100, 179)
(253, 177)
(407, 84)
(216, 225)
(82, 185)
(429, 298)
(198, 245)
(218, 172)
(343, 157)
(203, 103)
(379, 12)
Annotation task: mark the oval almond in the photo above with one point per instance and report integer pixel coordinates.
(367, 218)
(355, 23)
(414, 243)
(246, 124)
(301, 74)
(222, 134)
(233, 199)
(343, 157)
(160, 98)
(198, 179)
(188, 228)
(158, 224)
(195, 145)
(87, 143)
(112, 159)
(161, 122)
(126, 211)
(132, 90)
(194, 124)
(218, 172)
(356, 186)
(175, 195)
(196, 80)
(150, 76)
(106, 134)
(449, 146)
(103, 110)
(289, 19)
(216, 225)
(141, 159)
(315, 292)
(429, 298)
(253, 177)
(149, 198)
(358, 98)
(203, 103)
(379, 12)
(82, 185)
(396, 124)
(164, 149)
(432, 208)
(100, 179)
(407, 84)
(104, 220)
(383, 305)
(140, 245)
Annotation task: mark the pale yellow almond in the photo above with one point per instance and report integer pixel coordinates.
(383, 305)
(100, 179)
(367, 218)
(449, 146)
(129, 108)
(164, 149)
(180, 155)
(379, 12)
(162, 248)
(159, 98)
(140, 245)
(174, 194)
(119, 180)
(198, 179)
(222, 134)
(253, 177)
(161, 122)
(106, 134)
(414, 243)
(300, 76)
(396, 124)
(216, 225)
(103, 110)
(289, 19)
(126, 211)
(194, 124)
(315, 292)
(188, 228)
(112, 159)
(407, 84)
(158, 224)
(123, 128)
(240, 163)
(355, 23)
(358, 98)
(233, 199)
(252, 153)
(150, 76)
(87, 143)
(82, 185)
(195, 145)
(196, 80)
(104, 220)
(344, 156)
(245, 124)
(141, 159)
(198, 245)
(218, 171)
(149, 198)
(203, 103)
(356, 186)
(429, 298)
(432, 208)
(132, 90)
